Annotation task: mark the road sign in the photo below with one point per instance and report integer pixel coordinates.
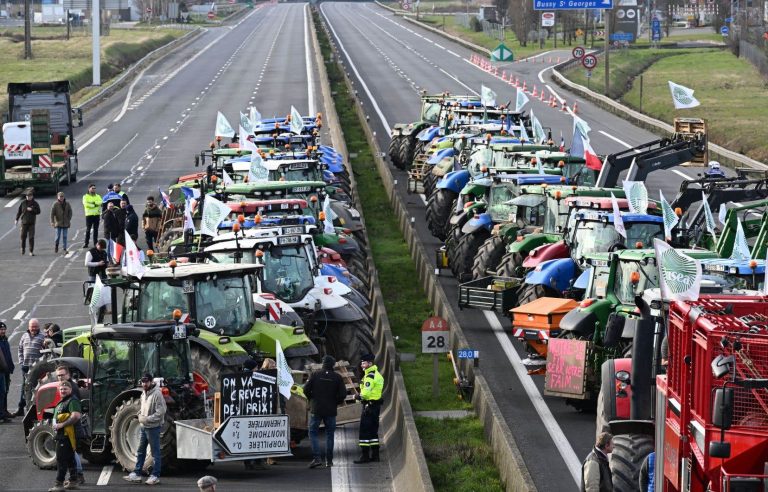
(572, 4)
(547, 19)
(579, 33)
(406, 6)
(255, 434)
(622, 36)
(434, 336)
(589, 61)
(589, 74)
(724, 30)
(502, 53)
(728, 19)
(468, 353)
(578, 52)
(655, 30)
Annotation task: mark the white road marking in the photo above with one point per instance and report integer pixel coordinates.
(20, 314)
(622, 142)
(555, 432)
(557, 96)
(423, 198)
(308, 60)
(682, 174)
(13, 202)
(440, 46)
(45, 282)
(454, 54)
(112, 159)
(460, 82)
(88, 142)
(106, 473)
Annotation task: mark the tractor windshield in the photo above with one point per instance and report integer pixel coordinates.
(555, 215)
(430, 112)
(730, 281)
(167, 359)
(224, 304)
(291, 173)
(598, 284)
(159, 298)
(498, 208)
(593, 237)
(641, 234)
(479, 158)
(288, 272)
(632, 278)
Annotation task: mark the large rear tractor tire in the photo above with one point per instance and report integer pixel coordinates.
(428, 182)
(403, 153)
(41, 445)
(394, 151)
(207, 367)
(629, 452)
(125, 434)
(531, 292)
(466, 249)
(439, 210)
(511, 265)
(488, 257)
(348, 341)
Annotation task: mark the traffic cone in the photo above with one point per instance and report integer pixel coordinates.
(565, 106)
(575, 107)
(549, 60)
(535, 93)
(495, 70)
(552, 102)
(517, 82)
(525, 86)
(541, 98)
(504, 75)
(558, 59)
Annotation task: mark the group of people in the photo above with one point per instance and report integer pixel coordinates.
(114, 210)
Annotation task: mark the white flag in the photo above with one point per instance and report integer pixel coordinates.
(284, 377)
(670, 217)
(708, 218)
(133, 265)
(580, 136)
(254, 116)
(246, 144)
(487, 96)
(223, 129)
(520, 101)
(523, 133)
(637, 196)
(618, 222)
(225, 177)
(679, 274)
(101, 296)
(682, 96)
(740, 246)
(538, 131)
(188, 222)
(722, 213)
(257, 173)
(539, 162)
(330, 215)
(297, 122)
(245, 123)
(213, 213)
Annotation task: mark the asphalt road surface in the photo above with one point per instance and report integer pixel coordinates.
(390, 61)
(146, 136)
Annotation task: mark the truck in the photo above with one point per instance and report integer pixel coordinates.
(39, 150)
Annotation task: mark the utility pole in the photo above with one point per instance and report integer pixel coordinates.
(607, 49)
(95, 32)
(27, 30)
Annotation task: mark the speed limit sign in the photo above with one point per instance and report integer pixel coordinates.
(578, 52)
(434, 336)
(589, 61)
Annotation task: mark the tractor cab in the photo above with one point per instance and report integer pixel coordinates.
(734, 276)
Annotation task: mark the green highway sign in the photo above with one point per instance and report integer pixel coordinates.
(502, 53)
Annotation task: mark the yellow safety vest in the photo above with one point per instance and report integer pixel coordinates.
(92, 204)
(372, 385)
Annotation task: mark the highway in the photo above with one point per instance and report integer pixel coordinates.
(390, 61)
(145, 136)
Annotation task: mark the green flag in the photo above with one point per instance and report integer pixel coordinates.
(740, 246)
(679, 274)
(539, 135)
(670, 217)
(637, 196)
(708, 217)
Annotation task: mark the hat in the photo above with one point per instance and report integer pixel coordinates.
(2, 325)
(146, 377)
(207, 481)
(328, 362)
(249, 365)
(367, 358)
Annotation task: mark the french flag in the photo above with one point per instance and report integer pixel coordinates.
(590, 156)
(165, 197)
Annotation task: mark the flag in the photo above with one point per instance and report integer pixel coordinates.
(670, 217)
(591, 158)
(245, 123)
(257, 173)
(722, 213)
(562, 143)
(538, 131)
(523, 133)
(190, 192)
(254, 116)
(213, 213)
(297, 122)
(740, 246)
(115, 250)
(540, 162)
(225, 177)
(246, 144)
(520, 101)
(284, 376)
(330, 215)
(188, 222)
(133, 265)
(223, 129)
(487, 96)
(708, 218)
(164, 197)
(679, 274)
(101, 296)
(637, 196)
(682, 97)
(618, 222)
(580, 135)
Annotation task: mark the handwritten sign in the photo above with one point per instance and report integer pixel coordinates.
(249, 393)
(566, 364)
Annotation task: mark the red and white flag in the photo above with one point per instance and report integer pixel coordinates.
(591, 157)
(133, 264)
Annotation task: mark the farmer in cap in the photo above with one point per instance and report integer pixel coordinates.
(151, 419)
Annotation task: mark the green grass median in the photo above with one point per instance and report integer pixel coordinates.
(458, 456)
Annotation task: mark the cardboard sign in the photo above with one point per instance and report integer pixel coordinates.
(566, 367)
(249, 393)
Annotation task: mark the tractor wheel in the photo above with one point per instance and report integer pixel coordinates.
(488, 256)
(41, 445)
(428, 183)
(511, 265)
(466, 249)
(394, 151)
(207, 367)
(348, 341)
(40, 370)
(357, 268)
(100, 459)
(408, 151)
(439, 210)
(402, 154)
(629, 452)
(531, 292)
(125, 434)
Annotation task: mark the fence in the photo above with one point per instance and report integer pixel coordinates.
(491, 29)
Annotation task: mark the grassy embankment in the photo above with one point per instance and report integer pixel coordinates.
(459, 458)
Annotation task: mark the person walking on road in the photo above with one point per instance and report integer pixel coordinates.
(6, 369)
(151, 419)
(111, 225)
(371, 389)
(151, 220)
(325, 391)
(66, 415)
(595, 472)
(61, 219)
(92, 208)
(96, 260)
(28, 211)
(29, 352)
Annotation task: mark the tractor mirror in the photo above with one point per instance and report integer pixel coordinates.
(719, 449)
(722, 410)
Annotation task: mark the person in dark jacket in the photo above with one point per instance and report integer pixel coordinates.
(122, 221)
(595, 472)
(647, 472)
(132, 222)
(61, 218)
(96, 261)
(6, 369)
(325, 391)
(111, 224)
(28, 211)
(152, 219)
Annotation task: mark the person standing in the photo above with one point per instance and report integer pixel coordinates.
(96, 260)
(28, 211)
(92, 208)
(595, 471)
(64, 374)
(371, 389)
(151, 220)
(207, 484)
(131, 222)
(61, 219)
(111, 224)
(117, 188)
(122, 217)
(65, 416)
(647, 480)
(151, 419)
(29, 352)
(325, 391)
(6, 369)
